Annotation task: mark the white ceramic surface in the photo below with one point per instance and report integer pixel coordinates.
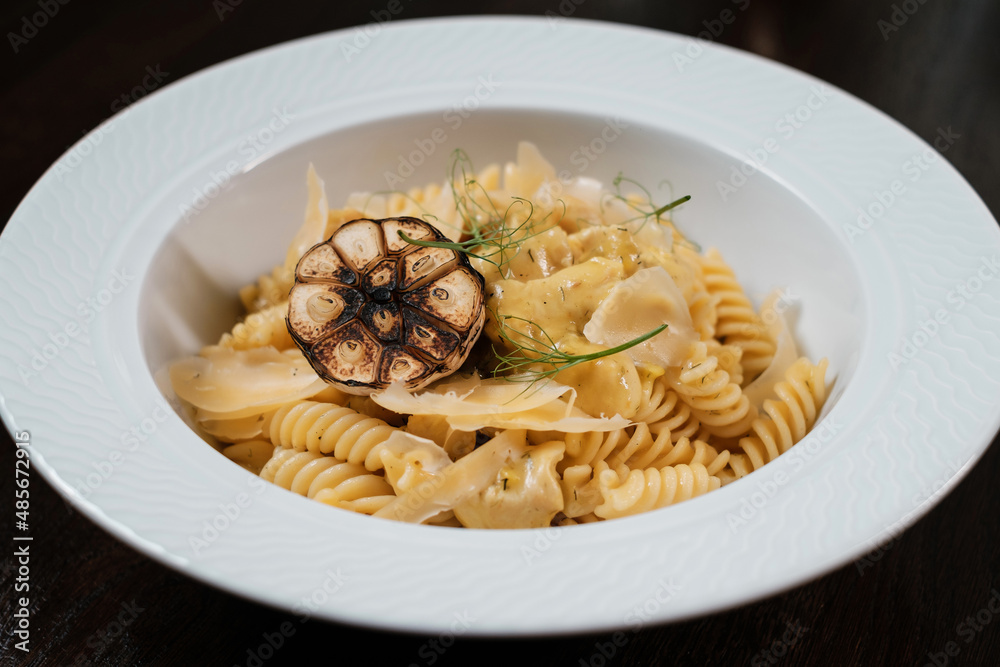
(127, 254)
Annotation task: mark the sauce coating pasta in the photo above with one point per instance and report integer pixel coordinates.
(621, 370)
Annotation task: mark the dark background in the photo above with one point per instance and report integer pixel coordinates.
(903, 606)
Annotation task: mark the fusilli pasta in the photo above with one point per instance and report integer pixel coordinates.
(738, 324)
(607, 428)
(715, 400)
(786, 420)
(328, 479)
(638, 491)
(265, 327)
(323, 428)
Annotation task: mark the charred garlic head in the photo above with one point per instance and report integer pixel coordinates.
(368, 308)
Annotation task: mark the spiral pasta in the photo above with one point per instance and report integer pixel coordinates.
(704, 314)
(581, 448)
(730, 359)
(581, 494)
(328, 480)
(638, 491)
(738, 324)
(663, 410)
(715, 400)
(786, 420)
(261, 328)
(644, 450)
(680, 420)
(269, 289)
(324, 428)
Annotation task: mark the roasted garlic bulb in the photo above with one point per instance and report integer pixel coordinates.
(369, 308)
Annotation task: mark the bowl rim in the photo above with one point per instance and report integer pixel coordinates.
(112, 392)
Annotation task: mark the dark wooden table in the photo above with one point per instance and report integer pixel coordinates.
(928, 63)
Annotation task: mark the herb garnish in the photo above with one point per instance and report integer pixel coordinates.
(492, 235)
(530, 351)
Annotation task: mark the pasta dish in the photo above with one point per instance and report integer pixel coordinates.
(501, 350)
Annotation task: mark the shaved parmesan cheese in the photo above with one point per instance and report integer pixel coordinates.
(435, 427)
(314, 227)
(530, 171)
(469, 404)
(553, 416)
(410, 460)
(644, 301)
(784, 356)
(524, 494)
(232, 430)
(229, 384)
(651, 234)
(472, 396)
(457, 482)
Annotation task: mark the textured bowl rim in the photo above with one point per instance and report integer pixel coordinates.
(87, 397)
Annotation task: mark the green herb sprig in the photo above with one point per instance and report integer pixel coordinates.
(490, 235)
(531, 351)
(646, 210)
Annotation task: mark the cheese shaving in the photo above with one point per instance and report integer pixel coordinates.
(457, 482)
(642, 302)
(473, 396)
(226, 383)
(785, 355)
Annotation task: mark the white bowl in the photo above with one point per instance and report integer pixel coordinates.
(138, 234)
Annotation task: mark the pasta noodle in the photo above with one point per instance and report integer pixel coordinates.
(787, 420)
(323, 428)
(263, 328)
(328, 479)
(715, 400)
(738, 324)
(643, 450)
(620, 371)
(271, 289)
(634, 491)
